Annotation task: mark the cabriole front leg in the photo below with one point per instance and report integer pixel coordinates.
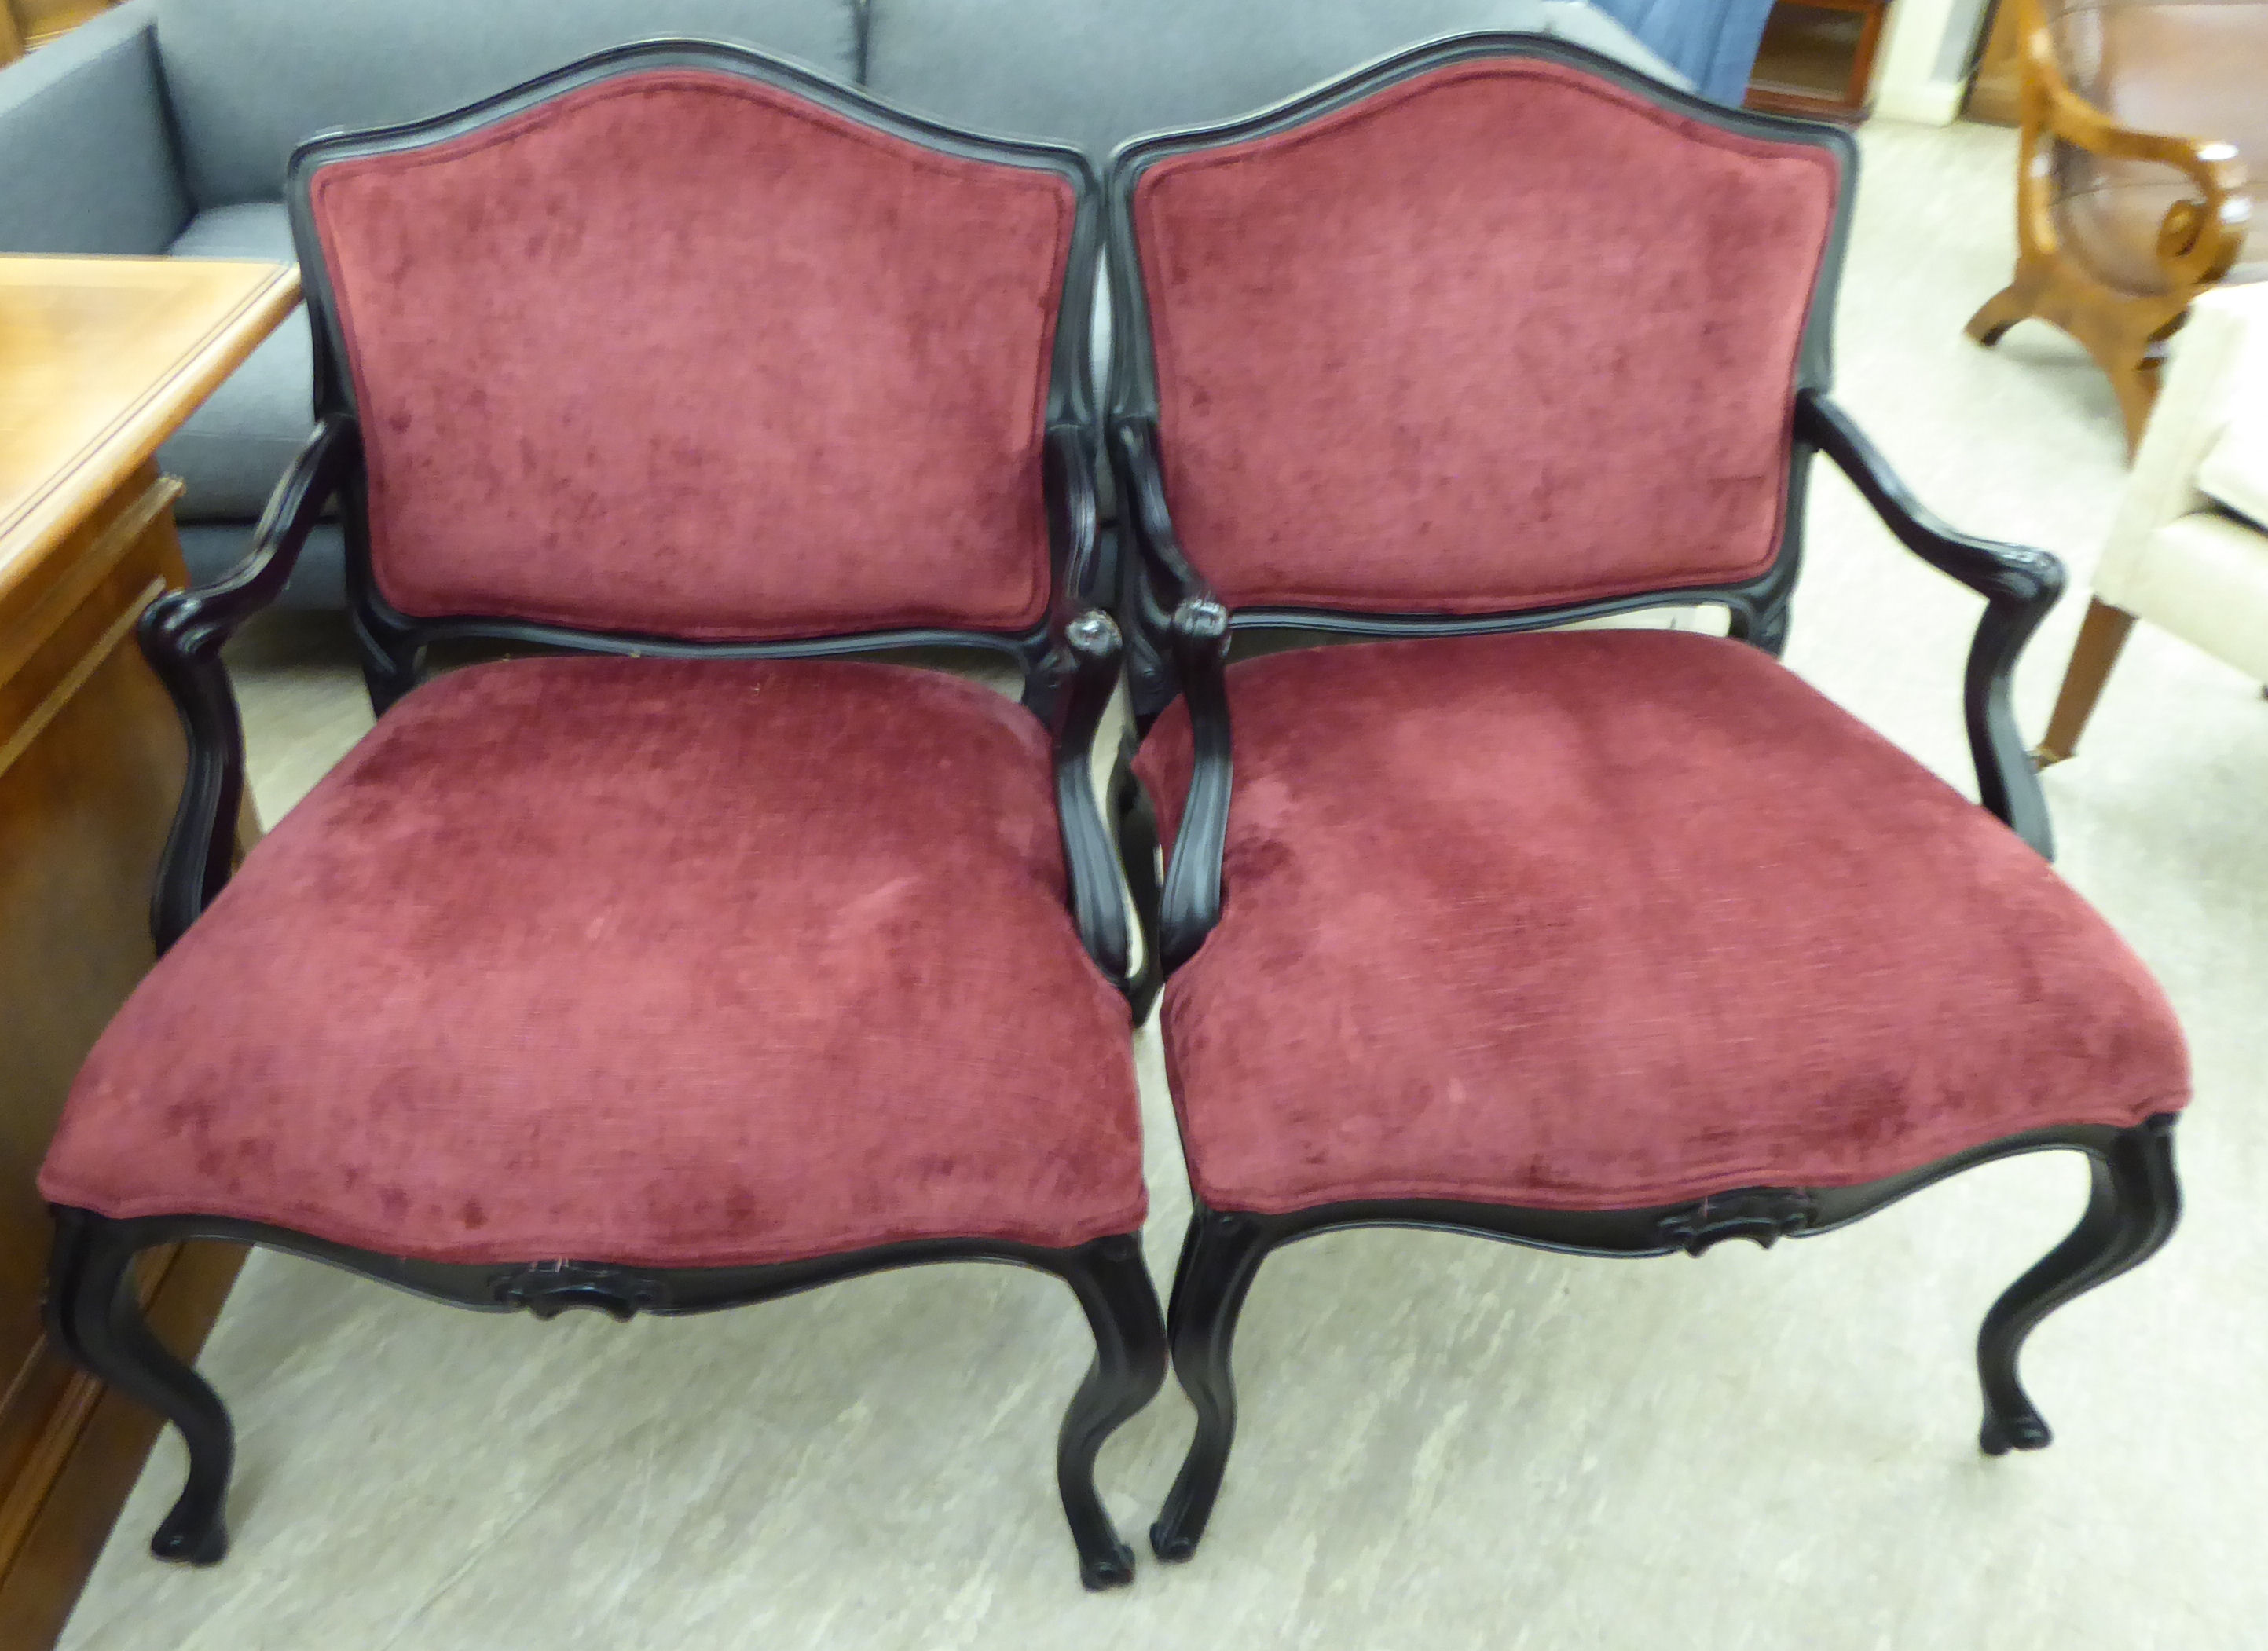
(2131, 1207)
(1219, 1259)
(94, 1315)
(1114, 1286)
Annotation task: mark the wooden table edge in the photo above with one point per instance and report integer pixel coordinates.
(91, 476)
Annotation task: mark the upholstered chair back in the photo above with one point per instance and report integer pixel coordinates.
(1498, 335)
(686, 353)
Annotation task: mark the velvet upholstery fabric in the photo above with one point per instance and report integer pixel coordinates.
(682, 353)
(669, 962)
(1501, 334)
(1615, 918)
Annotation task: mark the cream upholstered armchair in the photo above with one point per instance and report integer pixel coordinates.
(2189, 548)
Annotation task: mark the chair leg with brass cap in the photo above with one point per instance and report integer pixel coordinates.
(2101, 635)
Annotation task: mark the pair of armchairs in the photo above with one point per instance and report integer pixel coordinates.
(695, 963)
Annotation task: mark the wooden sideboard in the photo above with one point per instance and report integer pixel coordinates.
(100, 360)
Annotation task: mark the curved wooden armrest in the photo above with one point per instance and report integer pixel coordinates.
(2020, 586)
(1190, 904)
(1196, 639)
(1089, 642)
(181, 636)
(2199, 240)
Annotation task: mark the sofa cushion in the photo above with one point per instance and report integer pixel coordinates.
(2235, 473)
(2203, 576)
(233, 448)
(1093, 73)
(641, 961)
(1612, 920)
(249, 79)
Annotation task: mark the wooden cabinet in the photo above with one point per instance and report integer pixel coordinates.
(99, 360)
(1817, 58)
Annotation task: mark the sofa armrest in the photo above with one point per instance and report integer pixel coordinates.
(2200, 239)
(91, 166)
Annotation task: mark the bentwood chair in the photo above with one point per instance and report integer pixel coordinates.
(2138, 179)
(1617, 942)
(689, 964)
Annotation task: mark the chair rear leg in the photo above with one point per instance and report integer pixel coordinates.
(1219, 1259)
(95, 1314)
(1130, 1367)
(1999, 312)
(2132, 1208)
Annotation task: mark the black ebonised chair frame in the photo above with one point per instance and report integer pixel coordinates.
(1070, 666)
(1179, 633)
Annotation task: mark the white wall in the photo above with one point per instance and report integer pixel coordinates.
(1918, 73)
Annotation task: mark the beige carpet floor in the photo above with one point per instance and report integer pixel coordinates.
(1446, 1442)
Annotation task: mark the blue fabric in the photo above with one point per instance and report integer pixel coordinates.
(1713, 41)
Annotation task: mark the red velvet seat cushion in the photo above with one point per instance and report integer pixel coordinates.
(665, 963)
(1616, 919)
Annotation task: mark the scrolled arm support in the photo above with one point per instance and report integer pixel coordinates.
(1197, 642)
(1074, 685)
(1090, 645)
(1190, 904)
(181, 635)
(2020, 586)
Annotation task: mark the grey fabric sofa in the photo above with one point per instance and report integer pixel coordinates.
(164, 127)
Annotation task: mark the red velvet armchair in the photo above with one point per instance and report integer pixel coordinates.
(1617, 942)
(691, 964)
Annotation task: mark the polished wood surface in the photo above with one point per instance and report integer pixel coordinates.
(100, 359)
